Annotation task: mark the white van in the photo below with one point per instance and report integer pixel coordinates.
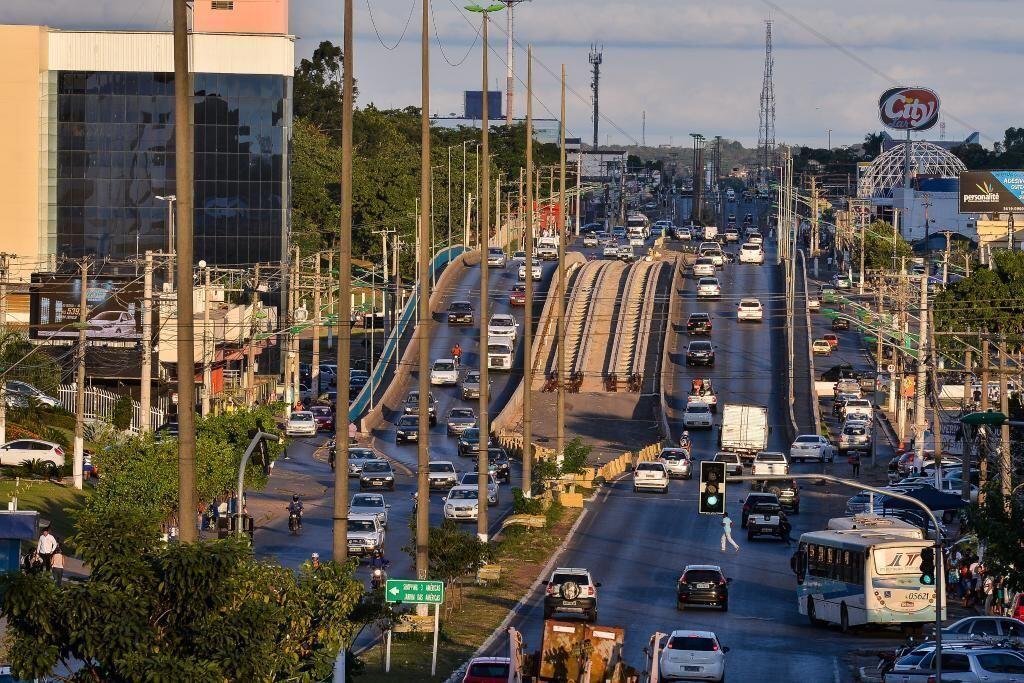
(710, 232)
(499, 354)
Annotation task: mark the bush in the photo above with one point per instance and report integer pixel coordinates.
(122, 417)
(521, 505)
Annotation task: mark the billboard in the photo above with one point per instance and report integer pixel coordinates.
(474, 105)
(114, 306)
(911, 108)
(991, 191)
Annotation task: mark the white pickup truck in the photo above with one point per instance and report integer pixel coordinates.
(770, 462)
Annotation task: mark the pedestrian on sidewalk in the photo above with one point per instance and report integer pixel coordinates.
(46, 547)
(854, 461)
(989, 588)
(57, 567)
(727, 532)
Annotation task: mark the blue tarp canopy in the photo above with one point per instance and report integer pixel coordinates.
(930, 496)
(21, 525)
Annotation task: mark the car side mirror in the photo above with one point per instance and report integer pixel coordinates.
(387, 505)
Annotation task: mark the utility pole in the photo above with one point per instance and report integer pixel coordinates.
(937, 409)
(146, 379)
(339, 545)
(314, 366)
(3, 322)
(186, 319)
(424, 328)
(330, 299)
(920, 422)
(965, 463)
(983, 456)
(814, 218)
(250, 360)
(1005, 456)
(83, 317)
(527, 485)
(560, 217)
(596, 58)
(207, 372)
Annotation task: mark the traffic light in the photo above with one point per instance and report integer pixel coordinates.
(928, 566)
(712, 488)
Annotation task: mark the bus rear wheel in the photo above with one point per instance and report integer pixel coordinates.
(844, 619)
(811, 614)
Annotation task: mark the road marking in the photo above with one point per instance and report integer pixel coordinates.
(835, 669)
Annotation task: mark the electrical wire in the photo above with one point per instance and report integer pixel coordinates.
(437, 37)
(408, 20)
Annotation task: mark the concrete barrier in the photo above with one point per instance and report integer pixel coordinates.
(667, 383)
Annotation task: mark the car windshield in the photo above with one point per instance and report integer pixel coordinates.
(409, 421)
(441, 467)
(692, 408)
(650, 467)
(320, 410)
(702, 576)
(302, 417)
(708, 281)
(360, 454)
(471, 434)
(694, 643)
(461, 412)
(501, 320)
(461, 306)
(700, 346)
(498, 348)
(495, 251)
(727, 457)
(488, 670)
(562, 577)
(807, 439)
(108, 315)
(673, 455)
(472, 378)
(377, 467)
(361, 525)
(771, 457)
(367, 501)
(444, 366)
(462, 494)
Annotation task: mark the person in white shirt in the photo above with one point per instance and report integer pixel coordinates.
(727, 533)
(46, 547)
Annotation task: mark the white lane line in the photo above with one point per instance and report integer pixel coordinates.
(835, 669)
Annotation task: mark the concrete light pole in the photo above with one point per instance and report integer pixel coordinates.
(527, 485)
(560, 226)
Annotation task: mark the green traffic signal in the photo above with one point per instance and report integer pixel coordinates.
(928, 566)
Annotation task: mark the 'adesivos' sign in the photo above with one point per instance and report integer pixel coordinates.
(909, 107)
(991, 191)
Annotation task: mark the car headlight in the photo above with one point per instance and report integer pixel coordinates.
(449, 507)
(388, 478)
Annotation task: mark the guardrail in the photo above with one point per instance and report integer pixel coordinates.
(359, 405)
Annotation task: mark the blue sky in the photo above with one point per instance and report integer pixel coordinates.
(692, 65)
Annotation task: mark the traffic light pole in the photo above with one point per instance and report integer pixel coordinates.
(859, 486)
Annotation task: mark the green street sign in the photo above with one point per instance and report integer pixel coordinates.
(870, 340)
(989, 417)
(414, 592)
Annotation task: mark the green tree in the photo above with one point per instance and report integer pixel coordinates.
(316, 89)
(122, 417)
(881, 246)
(453, 554)
(21, 360)
(988, 300)
(316, 187)
(998, 526)
(201, 612)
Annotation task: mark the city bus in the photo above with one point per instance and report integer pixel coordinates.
(862, 576)
(637, 224)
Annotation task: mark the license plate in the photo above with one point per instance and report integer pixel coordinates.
(378, 482)
(569, 603)
(703, 585)
(767, 530)
(906, 604)
(691, 668)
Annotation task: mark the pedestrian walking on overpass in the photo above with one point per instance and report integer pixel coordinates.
(855, 463)
(727, 532)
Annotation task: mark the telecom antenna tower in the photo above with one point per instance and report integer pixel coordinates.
(766, 129)
(595, 64)
(510, 74)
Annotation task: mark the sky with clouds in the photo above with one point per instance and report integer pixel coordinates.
(692, 65)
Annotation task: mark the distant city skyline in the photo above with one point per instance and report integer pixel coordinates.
(693, 68)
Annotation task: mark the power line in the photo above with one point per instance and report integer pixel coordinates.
(408, 19)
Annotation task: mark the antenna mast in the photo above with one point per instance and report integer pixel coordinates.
(766, 129)
(595, 62)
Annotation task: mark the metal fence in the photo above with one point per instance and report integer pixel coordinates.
(99, 404)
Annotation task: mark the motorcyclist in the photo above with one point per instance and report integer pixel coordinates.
(379, 561)
(295, 508)
(457, 354)
(378, 569)
(684, 440)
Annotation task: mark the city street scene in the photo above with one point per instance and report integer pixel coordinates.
(520, 341)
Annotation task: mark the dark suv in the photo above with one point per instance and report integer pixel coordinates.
(786, 490)
(753, 499)
(460, 313)
(700, 353)
(571, 590)
(703, 584)
(699, 323)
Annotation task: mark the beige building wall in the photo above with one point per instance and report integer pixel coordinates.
(23, 54)
(240, 16)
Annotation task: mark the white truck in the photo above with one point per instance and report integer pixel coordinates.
(710, 232)
(744, 429)
(770, 462)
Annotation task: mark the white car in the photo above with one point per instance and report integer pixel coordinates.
(636, 240)
(499, 354)
(461, 504)
(470, 479)
(677, 462)
(610, 251)
(857, 409)
(811, 447)
(590, 240)
(693, 655)
(751, 253)
(444, 372)
(496, 257)
(535, 272)
(365, 534)
(301, 423)
(755, 238)
(502, 326)
(24, 450)
(732, 235)
(20, 393)
(112, 324)
(749, 309)
(708, 287)
(370, 504)
(683, 234)
(519, 257)
(650, 475)
(704, 267)
(698, 415)
(441, 474)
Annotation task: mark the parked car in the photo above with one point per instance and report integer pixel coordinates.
(571, 590)
(964, 662)
(22, 451)
(19, 394)
(703, 584)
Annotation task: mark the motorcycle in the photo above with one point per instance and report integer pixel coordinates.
(295, 523)
(887, 658)
(379, 578)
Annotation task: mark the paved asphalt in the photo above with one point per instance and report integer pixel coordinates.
(637, 545)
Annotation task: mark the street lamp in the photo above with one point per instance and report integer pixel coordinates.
(170, 199)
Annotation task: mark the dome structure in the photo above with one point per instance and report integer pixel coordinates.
(886, 171)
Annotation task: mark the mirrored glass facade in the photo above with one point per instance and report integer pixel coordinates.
(115, 155)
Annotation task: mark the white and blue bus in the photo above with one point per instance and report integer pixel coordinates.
(862, 576)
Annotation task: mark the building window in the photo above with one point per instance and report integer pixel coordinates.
(223, 4)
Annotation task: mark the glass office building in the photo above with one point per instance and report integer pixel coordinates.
(115, 156)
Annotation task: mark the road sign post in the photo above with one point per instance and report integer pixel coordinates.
(414, 592)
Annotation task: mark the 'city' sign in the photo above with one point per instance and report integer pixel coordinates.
(910, 108)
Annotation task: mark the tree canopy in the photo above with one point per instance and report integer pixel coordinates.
(881, 246)
(206, 611)
(1008, 153)
(988, 300)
